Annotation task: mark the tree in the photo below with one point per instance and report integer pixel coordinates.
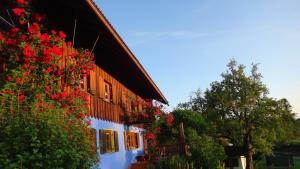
(239, 109)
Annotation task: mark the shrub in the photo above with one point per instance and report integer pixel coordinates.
(206, 153)
(43, 111)
(36, 140)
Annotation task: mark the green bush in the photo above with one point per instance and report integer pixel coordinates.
(206, 153)
(45, 141)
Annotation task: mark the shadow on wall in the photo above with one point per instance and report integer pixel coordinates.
(130, 158)
(123, 158)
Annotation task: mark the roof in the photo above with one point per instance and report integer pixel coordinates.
(103, 19)
(111, 52)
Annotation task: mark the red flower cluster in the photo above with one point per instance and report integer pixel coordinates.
(21, 97)
(18, 11)
(28, 52)
(170, 119)
(59, 96)
(150, 136)
(22, 2)
(34, 28)
(62, 35)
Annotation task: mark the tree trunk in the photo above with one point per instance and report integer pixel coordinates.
(249, 160)
(248, 151)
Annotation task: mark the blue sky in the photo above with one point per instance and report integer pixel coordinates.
(185, 45)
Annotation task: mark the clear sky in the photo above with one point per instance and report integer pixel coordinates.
(185, 45)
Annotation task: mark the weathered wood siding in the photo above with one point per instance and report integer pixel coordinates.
(121, 102)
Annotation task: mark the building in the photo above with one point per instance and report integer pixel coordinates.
(117, 79)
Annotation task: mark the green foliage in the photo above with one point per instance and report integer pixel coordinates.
(239, 109)
(42, 140)
(206, 153)
(191, 119)
(260, 164)
(174, 162)
(296, 162)
(295, 132)
(203, 151)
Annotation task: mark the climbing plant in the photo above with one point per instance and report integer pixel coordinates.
(43, 109)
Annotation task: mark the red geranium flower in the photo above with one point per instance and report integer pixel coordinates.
(56, 50)
(31, 67)
(45, 37)
(38, 96)
(8, 78)
(150, 136)
(25, 66)
(157, 112)
(47, 89)
(53, 32)
(54, 96)
(22, 2)
(145, 115)
(89, 122)
(34, 28)
(69, 44)
(18, 80)
(21, 97)
(14, 31)
(62, 35)
(28, 52)
(49, 70)
(80, 116)
(158, 149)
(38, 17)
(18, 11)
(158, 130)
(170, 120)
(63, 94)
(22, 21)
(59, 72)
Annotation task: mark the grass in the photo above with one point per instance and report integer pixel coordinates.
(260, 164)
(296, 162)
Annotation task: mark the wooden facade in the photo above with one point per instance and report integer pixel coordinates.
(120, 105)
(113, 109)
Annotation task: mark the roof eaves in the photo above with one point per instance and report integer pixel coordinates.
(101, 16)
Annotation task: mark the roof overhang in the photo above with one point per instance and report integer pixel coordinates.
(111, 52)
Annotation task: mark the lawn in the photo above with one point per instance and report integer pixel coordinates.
(296, 162)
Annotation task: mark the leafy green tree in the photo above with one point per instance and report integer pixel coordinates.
(239, 109)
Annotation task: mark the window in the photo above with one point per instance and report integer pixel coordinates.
(131, 140)
(109, 142)
(108, 94)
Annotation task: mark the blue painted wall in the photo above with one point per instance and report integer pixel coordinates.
(123, 158)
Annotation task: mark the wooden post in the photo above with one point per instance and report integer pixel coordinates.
(182, 139)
